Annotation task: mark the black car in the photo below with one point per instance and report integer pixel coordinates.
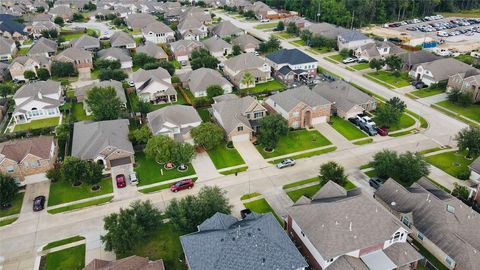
(354, 120)
(418, 84)
(38, 203)
(375, 182)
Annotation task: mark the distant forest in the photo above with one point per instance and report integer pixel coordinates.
(361, 13)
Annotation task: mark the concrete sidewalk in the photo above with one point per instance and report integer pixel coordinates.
(333, 136)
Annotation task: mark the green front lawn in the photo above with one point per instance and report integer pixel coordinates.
(232, 171)
(285, 35)
(364, 141)
(310, 191)
(266, 86)
(296, 141)
(71, 258)
(452, 163)
(266, 25)
(149, 171)
(347, 129)
(360, 66)
(7, 221)
(405, 122)
(301, 182)
(319, 50)
(250, 195)
(79, 113)
(308, 154)
(388, 78)
(163, 243)
(16, 206)
(261, 206)
(35, 124)
(63, 191)
(63, 242)
(427, 92)
(223, 157)
(472, 111)
(336, 57)
(298, 42)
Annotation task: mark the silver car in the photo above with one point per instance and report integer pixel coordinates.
(286, 163)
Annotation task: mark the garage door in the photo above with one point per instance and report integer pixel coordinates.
(319, 120)
(241, 138)
(120, 161)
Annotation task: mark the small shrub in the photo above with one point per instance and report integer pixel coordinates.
(465, 175)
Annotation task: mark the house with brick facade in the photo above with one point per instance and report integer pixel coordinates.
(339, 230)
(105, 142)
(81, 59)
(290, 65)
(182, 49)
(301, 107)
(27, 63)
(467, 82)
(247, 43)
(24, 157)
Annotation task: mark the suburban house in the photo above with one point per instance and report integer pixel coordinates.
(236, 67)
(37, 100)
(137, 21)
(378, 50)
(290, 65)
(256, 242)
(117, 54)
(217, 46)
(339, 230)
(37, 27)
(238, 116)
(43, 46)
(174, 121)
(154, 86)
(81, 59)
(61, 11)
(200, 79)
(300, 23)
(468, 81)
(351, 40)
(411, 60)
(439, 70)
(104, 142)
(347, 101)
(263, 11)
(326, 30)
(182, 49)
(192, 28)
(86, 42)
(81, 92)
(131, 262)
(226, 29)
(301, 107)
(441, 223)
(158, 32)
(27, 63)
(151, 49)
(23, 157)
(122, 40)
(475, 177)
(7, 49)
(247, 43)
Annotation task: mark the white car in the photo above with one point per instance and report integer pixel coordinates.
(349, 60)
(286, 163)
(133, 179)
(264, 20)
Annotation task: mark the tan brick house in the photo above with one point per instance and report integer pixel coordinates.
(80, 58)
(300, 106)
(20, 158)
(468, 82)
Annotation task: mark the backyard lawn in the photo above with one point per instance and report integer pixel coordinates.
(204, 114)
(347, 129)
(453, 163)
(23, 51)
(224, 157)
(79, 113)
(427, 92)
(266, 25)
(35, 124)
(264, 87)
(295, 141)
(360, 66)
(71, 258)
(16, 206)
(312, 190)
(163, 243)
(133, 99)
(261, 206)
(63, 191)
(472, 111)
(389, 80)
(149, 171)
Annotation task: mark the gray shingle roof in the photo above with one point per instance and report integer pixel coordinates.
(290, 56)
(418, 57)
(151, 49)
(76, 54)
(226, 28)
(326, 29)
(157, 28)
(455, 233)
(231, 111)
(82, 91)
(344, 95)
(346, 262)
(475, 166)
(120, 38)
(85, 42)
(200, 79)
(40, 59)
(216, 44)
(178, 115)
(245, 40)
(292, 97)
(244, 61)
(43, 45)
(352, 35)
(402, 253)
(442, 68)
(90, 138)
(42, 87)
(5, 45)
(256, 242)
(119, 54)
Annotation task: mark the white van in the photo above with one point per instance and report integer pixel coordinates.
(133, 179)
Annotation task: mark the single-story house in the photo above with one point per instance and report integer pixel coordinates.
(86, 42)
(182, 49)
(174, 121)
(439, 70)
(411, 60)
(38, 26)
(326, 30)
(226, 29)
(351, 40)
(200, 79)
(236, 67)
(81, 92)
(247, 43)
(121, 55)
(217, 46)
(151, 49)
(154, 86)
(43, 46)
(378, 50)
(7, 49)
(81, 59)
(122, 40)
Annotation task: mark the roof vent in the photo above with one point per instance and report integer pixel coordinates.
(350, 227)
(221, 240)
(450, 209)
(393, 203)
(258, 229)
(233, 238)
(249, 234)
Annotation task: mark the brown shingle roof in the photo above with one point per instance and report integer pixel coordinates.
(129, 263)
(17, 149)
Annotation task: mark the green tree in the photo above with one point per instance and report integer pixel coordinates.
(54, 174)
(5, 89)
(376, 64)
(207, 135)
(94, 174)
(344, 53)
(146, 215)
(8, 189)
(49, 33)
(383, 162)
(214, 90)
(460, 191)
(74, 170)
(274, 126)
(59, 21)
(168, 67)
(332, 171)
(40, 9)
(468, 139)
(203, 58)
(78, 17)
(60, 69)
(397, 103)
(104, 103)
(388, 115)
(182, 153)
(144, 107)
(280, 26)
(112, 74)
(43, 74)
(140, 136)
(107, 64)
(160, 148)
(409, 168)
(292, 28)
(189, 212)
(236, 50)
(140, 59)
(62, 132)
(394, 62)
(29, 75)
(247, 79)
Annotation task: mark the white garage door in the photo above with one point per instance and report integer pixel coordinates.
(319, 120)
(241, 138)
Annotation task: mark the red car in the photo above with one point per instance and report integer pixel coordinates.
(181, 185)
(382, 131)
(121, 182)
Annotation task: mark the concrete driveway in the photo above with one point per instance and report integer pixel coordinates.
(32, 191)
(127, 192)
(250, 155)
(204, 166)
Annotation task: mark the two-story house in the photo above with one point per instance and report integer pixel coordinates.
(182, 49)
(246, 70)
(378, 50)
(339, 229)
(158, 33)
(27, 63)
(7, 49)
(238, 116)
(122, 40)
(351, 40)
(154, 86)
(81, 59)
(247, 43)
(192, 28)
(439, 70)
(199, 80)
(300, 106)
(290, 65)
(23, 157)
(468, 82)
(37, 100)
(86, 42)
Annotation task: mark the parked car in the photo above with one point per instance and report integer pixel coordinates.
(418, 84)
(349, 60)
(354, 120)
(286, 163)
(370, 130)
(38, 203)
(365, 120)
(382, 131)
(133, 179)
(264, 20)
(362, 60)
(182, 184)
(120, 179)
(375, 182)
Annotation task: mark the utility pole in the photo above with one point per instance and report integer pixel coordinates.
(318, 12)
(353, 18)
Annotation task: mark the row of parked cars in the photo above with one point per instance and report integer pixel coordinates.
(354, 59)
(365, 123)
(444, 25)
(416, 20)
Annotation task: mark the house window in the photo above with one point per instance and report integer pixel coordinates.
(295, 124)
(248, 116)
(331, 260)
(449, 260)
(396, 237)
(10, 169)
(295, 114)
(405, 221)
(420, 236)
(240, 128)
(258, 115)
